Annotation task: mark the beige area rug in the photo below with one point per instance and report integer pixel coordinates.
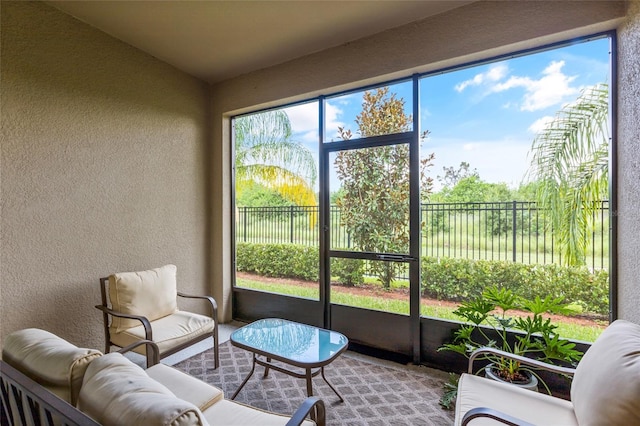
(376, 393)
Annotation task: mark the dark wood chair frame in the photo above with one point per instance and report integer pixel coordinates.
(106, 311)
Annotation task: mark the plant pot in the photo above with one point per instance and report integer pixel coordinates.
(532, 384)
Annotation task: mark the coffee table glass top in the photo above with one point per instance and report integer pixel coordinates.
(292, 341)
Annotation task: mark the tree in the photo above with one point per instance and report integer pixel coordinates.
(571, 162)
(256, 195)
(266, 155)
(452, 176)
(472, 189)
(374, 197)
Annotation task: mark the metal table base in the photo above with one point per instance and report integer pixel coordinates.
(308, 375)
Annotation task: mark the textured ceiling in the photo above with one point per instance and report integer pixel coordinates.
(218, 40)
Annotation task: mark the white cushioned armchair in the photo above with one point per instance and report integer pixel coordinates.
(605, 389)
(143, 306)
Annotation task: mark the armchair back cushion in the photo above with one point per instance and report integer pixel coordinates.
(150, 293)
(606, 386)
(116, 391)
(49, 360)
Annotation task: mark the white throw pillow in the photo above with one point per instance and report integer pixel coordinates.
(117, 392)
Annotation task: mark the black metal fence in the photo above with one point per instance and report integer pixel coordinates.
(516, 230)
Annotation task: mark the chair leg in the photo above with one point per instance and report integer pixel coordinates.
(149, 356)
(216, 352)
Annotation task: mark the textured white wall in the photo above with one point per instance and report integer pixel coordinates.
(629, 166)
(480, 30)
(104, 169)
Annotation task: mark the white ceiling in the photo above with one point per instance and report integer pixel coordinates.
(217, 40)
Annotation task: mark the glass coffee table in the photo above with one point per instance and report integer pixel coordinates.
(299, 345)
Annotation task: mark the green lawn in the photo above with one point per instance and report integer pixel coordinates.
(340, 296)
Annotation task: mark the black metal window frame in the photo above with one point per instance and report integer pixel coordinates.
(324, 197)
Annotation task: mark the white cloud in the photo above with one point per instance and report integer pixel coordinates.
(540, 124)
(551, 89)
(304, 120)
(495, 73)
(496, 160)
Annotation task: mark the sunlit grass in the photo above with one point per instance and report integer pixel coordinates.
(341, 296)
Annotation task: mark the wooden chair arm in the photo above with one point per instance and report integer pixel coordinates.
(312, 405)
(498, 416)
(522, 359)
(212, 301)
(155, 352)
(145, 322)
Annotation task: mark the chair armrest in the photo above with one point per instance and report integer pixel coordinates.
(522, 359)
(145, 322)
(498, 416)
(312, 405)
(155, 352)
(212, 301)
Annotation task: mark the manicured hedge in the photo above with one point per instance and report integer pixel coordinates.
(444, 278)
(278, 260)
(458, 279)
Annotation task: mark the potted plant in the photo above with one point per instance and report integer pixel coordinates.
(529, 334)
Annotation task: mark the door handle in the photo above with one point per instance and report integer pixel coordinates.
(396, 258)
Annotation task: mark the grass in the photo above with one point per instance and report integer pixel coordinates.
(339, 296)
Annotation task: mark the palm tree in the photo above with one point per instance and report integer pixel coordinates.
(571, 163)
(265, 154)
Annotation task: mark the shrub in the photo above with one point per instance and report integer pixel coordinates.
(278, 260)
(462, 279)
(349, 272)
(444, 278)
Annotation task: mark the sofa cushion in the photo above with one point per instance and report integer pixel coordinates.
(606, 386)
(186, 387)
(49, 360)
(168, 332)
(116, 391)
(231, 413)
(533, 407)
(151, 294)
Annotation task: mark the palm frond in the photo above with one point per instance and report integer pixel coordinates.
(570, 160)
(265, 154)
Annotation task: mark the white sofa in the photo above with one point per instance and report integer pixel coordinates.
(605, 389)
(112, 390)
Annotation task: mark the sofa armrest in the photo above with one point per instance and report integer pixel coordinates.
(186, 387)
(25, 402)
(494, 415)
(522, 359)
(312, 405)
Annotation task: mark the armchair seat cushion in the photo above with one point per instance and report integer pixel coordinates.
(51, 361)
(530, 406)
(231, 413)
(168, 332)
(117, 392)
(186, 387)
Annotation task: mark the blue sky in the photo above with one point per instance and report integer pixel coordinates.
(486, 115)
